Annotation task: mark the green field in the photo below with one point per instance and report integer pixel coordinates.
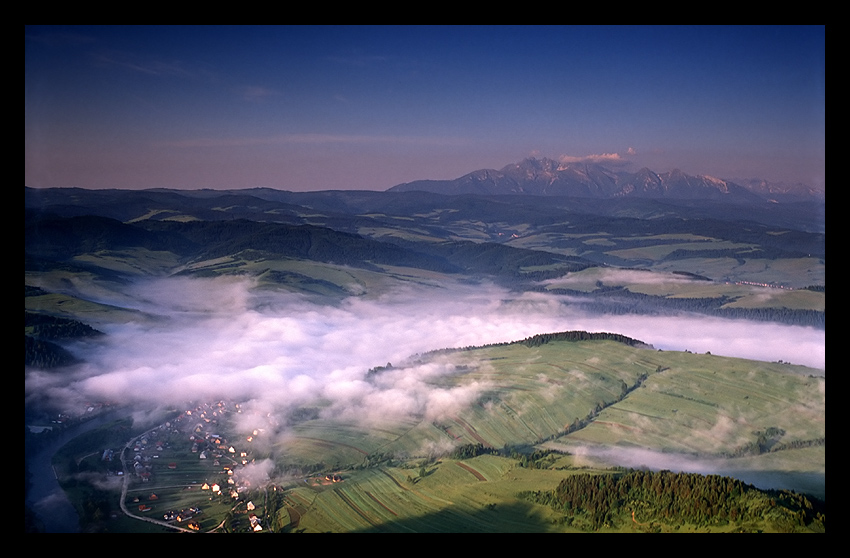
(676, 285)
(562, 395)
(534, 414)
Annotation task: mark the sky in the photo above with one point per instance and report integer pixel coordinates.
(305, 108)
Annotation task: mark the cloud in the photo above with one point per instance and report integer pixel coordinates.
(213, 339)
(255, 473)
(610, 158)
(642, 458)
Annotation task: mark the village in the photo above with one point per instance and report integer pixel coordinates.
(757, 284)
(173, 473)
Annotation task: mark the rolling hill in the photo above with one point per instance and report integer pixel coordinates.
(476, 438)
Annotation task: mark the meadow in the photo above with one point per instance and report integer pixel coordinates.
(286, 309)
(561, 398)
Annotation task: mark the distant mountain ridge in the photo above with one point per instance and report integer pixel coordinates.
(548, 177)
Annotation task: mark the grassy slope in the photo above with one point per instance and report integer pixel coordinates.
(534, 393)
(666, 284)
(679, 410)
(696, 403)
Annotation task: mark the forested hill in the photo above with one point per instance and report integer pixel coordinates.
(344, 210)
(647, 499)
(621, 301)
(516, 241)
(60, 239)
(213, 239)
(44, 332)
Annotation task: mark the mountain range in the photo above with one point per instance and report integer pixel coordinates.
(548, 177)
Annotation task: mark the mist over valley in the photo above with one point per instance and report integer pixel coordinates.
(372, 331)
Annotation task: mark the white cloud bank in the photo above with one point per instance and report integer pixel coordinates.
(220, 339)
(601, 158)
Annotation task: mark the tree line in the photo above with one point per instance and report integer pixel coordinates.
(621, 301)
(638, 496)
(41, 333)
(44, 326)
(543, 338)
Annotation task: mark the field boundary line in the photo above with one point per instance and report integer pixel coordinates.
(475, 473)
(373, 497)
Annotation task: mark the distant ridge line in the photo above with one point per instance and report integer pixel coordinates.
(547, 177)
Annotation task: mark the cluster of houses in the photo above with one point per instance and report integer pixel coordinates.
(145, 449)
(199, 425)
(186, 515)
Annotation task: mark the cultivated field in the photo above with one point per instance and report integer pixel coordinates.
(400, 476)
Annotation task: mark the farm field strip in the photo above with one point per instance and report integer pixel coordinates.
(368, 517)
(475, 473)
(688, 403)
(377, 498)
(380, 503)
(660, 251)
(368, 503)
(537, 419)
(502, 425)
(333, 515)
(331, 443)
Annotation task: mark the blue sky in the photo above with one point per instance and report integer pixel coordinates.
(320, 108)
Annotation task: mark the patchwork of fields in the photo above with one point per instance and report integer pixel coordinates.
(323, 474)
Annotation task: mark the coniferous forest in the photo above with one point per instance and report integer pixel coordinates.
(654, 500)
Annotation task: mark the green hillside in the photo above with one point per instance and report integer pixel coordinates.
(506, 460)
(750, 258)
(534, 435)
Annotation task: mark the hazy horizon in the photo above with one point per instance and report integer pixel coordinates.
(304, 108)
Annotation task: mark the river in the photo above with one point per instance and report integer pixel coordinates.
(46, 498)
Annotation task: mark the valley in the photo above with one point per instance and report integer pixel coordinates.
(407, 473)
(447, 359)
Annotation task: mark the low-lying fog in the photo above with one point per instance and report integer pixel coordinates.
(222, 339)
(219, 338)
(812, 483)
